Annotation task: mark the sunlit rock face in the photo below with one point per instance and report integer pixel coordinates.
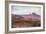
(30, 20)
(32, 16)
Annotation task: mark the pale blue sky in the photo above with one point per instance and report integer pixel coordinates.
(24, 10)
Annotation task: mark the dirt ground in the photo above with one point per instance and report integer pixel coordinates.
(25, 24)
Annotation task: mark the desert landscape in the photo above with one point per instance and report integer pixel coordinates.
(30, 20)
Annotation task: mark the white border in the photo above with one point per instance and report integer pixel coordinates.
(31, 28)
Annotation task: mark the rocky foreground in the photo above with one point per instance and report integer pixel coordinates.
(31, 20)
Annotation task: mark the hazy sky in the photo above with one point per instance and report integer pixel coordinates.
(24, 10)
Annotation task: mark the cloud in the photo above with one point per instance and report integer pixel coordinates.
(24, 10)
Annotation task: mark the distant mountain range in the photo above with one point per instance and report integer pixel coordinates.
(32, 16)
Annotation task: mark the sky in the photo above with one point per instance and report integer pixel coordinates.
(25, 10)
